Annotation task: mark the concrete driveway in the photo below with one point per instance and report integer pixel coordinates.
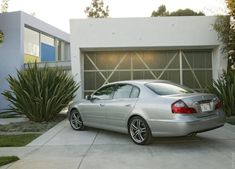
(64, 148)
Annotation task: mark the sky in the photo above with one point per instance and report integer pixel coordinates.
(58, 12)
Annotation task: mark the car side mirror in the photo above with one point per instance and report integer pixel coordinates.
(88, 97)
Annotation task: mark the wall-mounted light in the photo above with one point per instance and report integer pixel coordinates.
(1, 36)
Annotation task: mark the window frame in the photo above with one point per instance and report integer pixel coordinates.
(115, 84)
(132, 86)
(102, 87)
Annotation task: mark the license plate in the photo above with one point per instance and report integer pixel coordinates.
(205, 107)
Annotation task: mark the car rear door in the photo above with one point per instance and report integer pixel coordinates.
(123, 102)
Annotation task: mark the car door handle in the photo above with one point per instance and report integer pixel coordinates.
(102, 105)
(128, 105)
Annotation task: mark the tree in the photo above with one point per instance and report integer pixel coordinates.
(186, 12)
(161, 11)
(97, 10)
(224, 86)
(225, 27)
(231, 7)
(4, 6)
(180, 12)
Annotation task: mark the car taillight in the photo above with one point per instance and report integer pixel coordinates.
(179, 107)
(218, 104)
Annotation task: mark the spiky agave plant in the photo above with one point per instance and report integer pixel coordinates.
(224, 88)
(40, 93)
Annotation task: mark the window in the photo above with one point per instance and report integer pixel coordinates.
(48, 53)
(168, 88)
(31, 46)
(135, 92)
(122, 91)
(104, 93)
(41, 47)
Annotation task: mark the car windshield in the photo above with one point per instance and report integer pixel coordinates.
(168, 88)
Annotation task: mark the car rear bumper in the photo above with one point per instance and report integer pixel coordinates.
(185, 125)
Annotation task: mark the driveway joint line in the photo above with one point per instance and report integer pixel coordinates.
(85, 154)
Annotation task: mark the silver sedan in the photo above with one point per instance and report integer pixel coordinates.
(146, 109)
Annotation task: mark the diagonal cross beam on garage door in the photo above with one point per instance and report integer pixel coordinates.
(98, 70)
(191, 69)
(113, 71)
(122, 59)
(150, 70)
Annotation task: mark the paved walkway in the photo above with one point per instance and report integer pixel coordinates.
(63, 148)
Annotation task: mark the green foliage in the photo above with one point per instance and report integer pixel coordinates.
(222, 27)
(97, 10)
(161, 11)
(40, 93)
(231, 7)
(224, 88)
(4, 6)
(186, 12)
(1, 36)
(7, 159)
(225, 27)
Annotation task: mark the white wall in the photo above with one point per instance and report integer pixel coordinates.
(144, 32)
(11, 56)
(156, 33)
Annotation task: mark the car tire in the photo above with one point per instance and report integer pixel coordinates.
(75, 120)
(139, 131)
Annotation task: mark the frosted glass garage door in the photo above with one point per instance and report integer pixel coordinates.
(192, 68)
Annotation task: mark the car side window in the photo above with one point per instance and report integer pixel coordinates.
(122, 91)
(135, 92)
(104, 93)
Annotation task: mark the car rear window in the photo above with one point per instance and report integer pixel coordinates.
(168, 88)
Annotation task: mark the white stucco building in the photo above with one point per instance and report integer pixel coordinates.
(28, 39)
(185, 50)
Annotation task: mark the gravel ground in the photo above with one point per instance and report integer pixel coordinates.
(29, 126)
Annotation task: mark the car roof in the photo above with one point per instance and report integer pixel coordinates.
(144, 81)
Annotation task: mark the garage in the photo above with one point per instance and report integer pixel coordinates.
(184, 50)
(192, 68)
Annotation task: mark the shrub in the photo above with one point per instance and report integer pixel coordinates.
(40, 93)
(224, 88)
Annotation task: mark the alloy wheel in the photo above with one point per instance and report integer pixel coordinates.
(139, 131)
(76, 120)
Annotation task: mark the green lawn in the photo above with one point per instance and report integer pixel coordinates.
(16, 140)
(7, 159)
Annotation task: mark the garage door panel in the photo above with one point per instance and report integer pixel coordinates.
(137, 64)
(173, 76)
(126, 63)
(120, 75)
(189, 80)
(93, 80)
(138, 75)
(88, 64)
(107, 60)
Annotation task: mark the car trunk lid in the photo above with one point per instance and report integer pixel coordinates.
(203, 103)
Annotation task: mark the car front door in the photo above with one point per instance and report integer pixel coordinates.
(94, 110)
(123, 102)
